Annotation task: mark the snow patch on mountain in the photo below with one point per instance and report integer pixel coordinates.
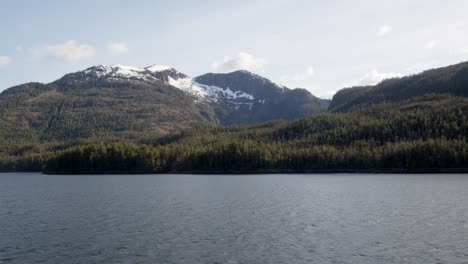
(128, 72)
(119, 71)
(226, 93)
(150, 74)
(187, 85)
(158, 68)
(206, 92)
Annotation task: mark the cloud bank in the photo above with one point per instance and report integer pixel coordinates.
(69, 51)
(241, 61)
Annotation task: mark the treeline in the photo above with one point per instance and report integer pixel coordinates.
(417, 135)
(252, 156)
(31, 162)
(389, 137)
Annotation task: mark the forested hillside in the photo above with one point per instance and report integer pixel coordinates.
(44, 113)
(451, 80)
(415, 135)
(414, 124)
(130, 103)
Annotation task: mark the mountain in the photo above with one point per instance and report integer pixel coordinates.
(260, 99)
(382, 138)
(111, 119)
(135, 103)
(451, 80)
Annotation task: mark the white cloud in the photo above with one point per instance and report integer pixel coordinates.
(242, 61)
(374, 77)
(464, 50)
(430, 45)
(304, 75)
(4, 60)
(384, 31)
(309, 72)
(118, 47)
(68, 51)
(19, 48)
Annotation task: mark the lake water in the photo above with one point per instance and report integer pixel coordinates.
(234, 219)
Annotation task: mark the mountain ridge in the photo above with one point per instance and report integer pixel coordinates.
(451, 80)
(126, 101)
(84, 123)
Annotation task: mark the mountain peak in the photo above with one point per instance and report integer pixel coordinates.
(116, 71)
(103, 68)
(241, 72)
(244, 71)
(158, 68)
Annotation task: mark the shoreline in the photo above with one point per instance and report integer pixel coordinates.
(260, 172)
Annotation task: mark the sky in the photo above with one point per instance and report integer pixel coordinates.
(322, 46)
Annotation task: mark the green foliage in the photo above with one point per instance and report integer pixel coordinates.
(69, 110)
(405, 136)
(95, 126)
(77, 106)
(451, 80)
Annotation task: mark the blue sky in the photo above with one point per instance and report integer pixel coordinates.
(319, 45)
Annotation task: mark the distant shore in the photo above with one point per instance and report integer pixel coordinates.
(318, 171)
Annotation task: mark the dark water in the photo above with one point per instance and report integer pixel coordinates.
(234, 219)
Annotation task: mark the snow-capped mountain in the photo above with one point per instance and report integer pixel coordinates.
(167, 75)
(236, 97)
(131, 102)
(122, 72)
(243, 81)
